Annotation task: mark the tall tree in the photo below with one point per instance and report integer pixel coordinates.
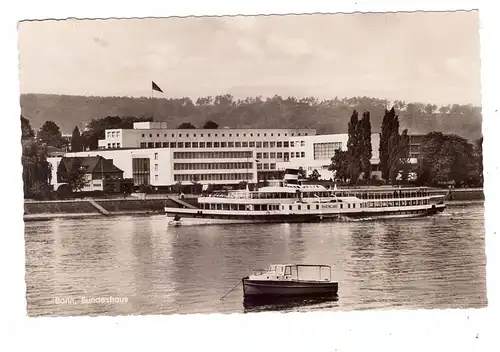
(37, 170)
(76, 140)
(26, 130)
(353, 147)
(393, 147)
(404, 154)
(339, 165)
(384, 142)
(50, 134)
(366, 145)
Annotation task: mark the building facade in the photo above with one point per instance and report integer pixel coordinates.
(219, 156)
(152, 154)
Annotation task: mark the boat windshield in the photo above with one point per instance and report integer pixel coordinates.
(311, 272)
(299, 272)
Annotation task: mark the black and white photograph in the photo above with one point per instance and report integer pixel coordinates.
(252, 163)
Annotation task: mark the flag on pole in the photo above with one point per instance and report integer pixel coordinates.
(155, 87)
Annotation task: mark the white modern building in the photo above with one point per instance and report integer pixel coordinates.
(153, 154)
(319, 150)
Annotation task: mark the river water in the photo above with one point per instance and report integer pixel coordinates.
(136, 265)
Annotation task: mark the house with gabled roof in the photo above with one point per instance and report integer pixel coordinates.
(97, 170)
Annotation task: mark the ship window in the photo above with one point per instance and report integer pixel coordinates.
(317, 206)
(298, 207)
(348, 205)
(290, 207)
(308, 207)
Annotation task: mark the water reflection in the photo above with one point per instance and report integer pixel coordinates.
(289, 304)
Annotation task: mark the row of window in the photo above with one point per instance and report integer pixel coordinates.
(390, 195)
(113, 134)
(396, 203)
(280, 155)
(255, 207)
(220, 134)
(266, 166)
(213, 155)
(212, 166)
(214, 177)
(272, 144)
(113, 145)
(260, 207)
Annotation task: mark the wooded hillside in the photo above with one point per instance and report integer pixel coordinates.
(327, 116)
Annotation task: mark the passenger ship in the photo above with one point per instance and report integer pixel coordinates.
(289, 201)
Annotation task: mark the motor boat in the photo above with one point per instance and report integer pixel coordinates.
(290, 280)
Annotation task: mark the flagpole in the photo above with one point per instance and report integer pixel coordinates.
(152, 102)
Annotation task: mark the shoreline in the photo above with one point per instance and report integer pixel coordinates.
(53, 216)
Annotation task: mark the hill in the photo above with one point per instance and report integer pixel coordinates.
(327, 116)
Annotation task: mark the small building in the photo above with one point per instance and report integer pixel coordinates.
(100, 173)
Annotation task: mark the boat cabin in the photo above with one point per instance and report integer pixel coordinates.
(294, 272)
(284, 198)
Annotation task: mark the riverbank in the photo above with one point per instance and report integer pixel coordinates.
(88, 208)
(459, 194)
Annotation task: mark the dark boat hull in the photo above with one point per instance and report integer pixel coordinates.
(263, 288)
(205, 218)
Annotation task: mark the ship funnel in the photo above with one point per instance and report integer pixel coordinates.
(291, 176)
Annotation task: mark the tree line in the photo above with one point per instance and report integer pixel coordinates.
(450, 159)
(37, 171)
(443, 159)
(327, 116)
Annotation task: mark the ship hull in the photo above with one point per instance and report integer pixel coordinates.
(198, 217)
(265, 288)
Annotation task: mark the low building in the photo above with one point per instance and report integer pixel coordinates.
(99, 174)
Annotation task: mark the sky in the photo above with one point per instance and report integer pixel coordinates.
(415, 57)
